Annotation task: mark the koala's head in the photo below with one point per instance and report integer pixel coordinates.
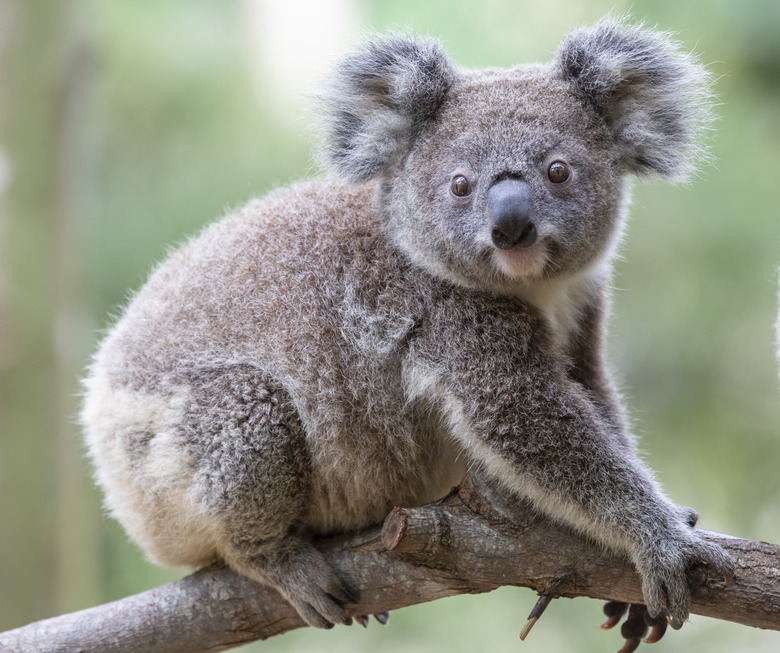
(498, 178)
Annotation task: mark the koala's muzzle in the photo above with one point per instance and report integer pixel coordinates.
(509, 208)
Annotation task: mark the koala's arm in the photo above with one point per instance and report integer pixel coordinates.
(523, 421)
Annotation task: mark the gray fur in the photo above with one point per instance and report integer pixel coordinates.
(335, 349)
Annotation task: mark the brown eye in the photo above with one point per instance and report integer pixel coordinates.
(558, 172)
(460, 186)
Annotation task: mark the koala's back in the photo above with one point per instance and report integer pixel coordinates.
(284, 312)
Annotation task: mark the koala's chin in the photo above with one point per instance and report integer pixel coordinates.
(520, 264)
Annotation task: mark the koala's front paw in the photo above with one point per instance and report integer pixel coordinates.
(664, 565)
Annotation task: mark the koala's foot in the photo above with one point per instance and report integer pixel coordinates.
(638, 627)
(664, 565)
(302, 575)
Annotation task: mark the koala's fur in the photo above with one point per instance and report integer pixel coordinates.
(354, 343)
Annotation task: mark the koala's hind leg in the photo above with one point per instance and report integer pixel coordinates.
(254, 475)
(299, 572)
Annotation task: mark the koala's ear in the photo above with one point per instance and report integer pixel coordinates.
(654, 97)
(377, 99)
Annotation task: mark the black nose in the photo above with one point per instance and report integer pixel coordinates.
(509, 207)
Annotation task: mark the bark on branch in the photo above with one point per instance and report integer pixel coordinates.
(472, 541)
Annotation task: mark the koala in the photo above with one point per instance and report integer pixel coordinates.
(435, 303)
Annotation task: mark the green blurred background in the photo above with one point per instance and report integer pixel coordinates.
(127, 126)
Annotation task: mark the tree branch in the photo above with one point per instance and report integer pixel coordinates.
(472, 541)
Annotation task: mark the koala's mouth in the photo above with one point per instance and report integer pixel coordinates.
(521, 263)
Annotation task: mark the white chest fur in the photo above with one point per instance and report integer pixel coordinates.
(561, 301)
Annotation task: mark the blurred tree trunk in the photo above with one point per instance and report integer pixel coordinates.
(46, 563)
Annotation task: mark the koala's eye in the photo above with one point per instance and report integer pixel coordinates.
(460, 186)
(558, 172)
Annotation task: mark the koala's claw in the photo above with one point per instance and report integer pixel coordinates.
(382, 617)
(634, 630)
(363, 619)
(614, 611)
(658, 626)
(630, 646)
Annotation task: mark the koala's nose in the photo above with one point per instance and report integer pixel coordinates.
(509, 207)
